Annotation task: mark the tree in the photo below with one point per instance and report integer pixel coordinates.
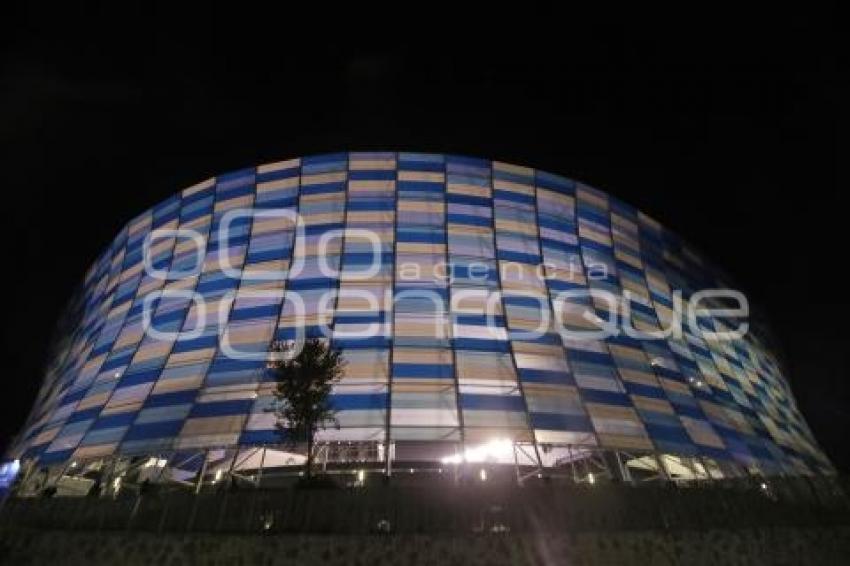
(304, 380)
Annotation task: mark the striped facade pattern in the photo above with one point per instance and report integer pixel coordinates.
(435, 369)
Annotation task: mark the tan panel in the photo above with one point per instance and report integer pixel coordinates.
(277, 223)
(120, 408)
(526, 324)
(279, 165)
(701, 433)
(372, 216)
(129, 335)
(244, 201)
(422, 248)
(366, 370)
(323, 178)
(421, 206)
(356, 164)
(636, 376)
(178, 384)
(629, 259)
(140, 224)
(249, 333)
(45, 436)
(595, 235)
(213, 425)
(511, 168)
(334, 196)
(93, 401)
(132, 271)
(152, 350)
(422, 176)
(267, 269)
(162, 244)
(538, 349)
(514, 226)
(149, 286)
(325, 218)
(239, 392)
(465, 230)
(94, 451)
(199, 224)
(592, 198)
(470, 190)
(575, 275)
(624, 223)
(418, 327)
(628, 353)
(277, 184)
(514, 187)
(198, 187)
(182, 358)
(624, 441)
(566, 392)
(422, 356)
(650, 404)
(468, 369)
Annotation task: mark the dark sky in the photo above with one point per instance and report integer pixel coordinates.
(720, 124)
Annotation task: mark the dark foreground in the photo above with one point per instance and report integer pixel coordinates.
(790, 523)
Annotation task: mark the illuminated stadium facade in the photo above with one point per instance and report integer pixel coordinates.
(489, 314)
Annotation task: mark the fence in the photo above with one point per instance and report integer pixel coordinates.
(476, 508)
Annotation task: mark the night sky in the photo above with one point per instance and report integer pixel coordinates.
(724, 130)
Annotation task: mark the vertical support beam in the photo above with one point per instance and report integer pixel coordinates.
(388, 468)
(662, 471)
(602, 455)
(388, 421)
(625, 475)
(262, 463)
(705, 466)
(693, 467)
(22, 486)
(450, 326)
(202, 472)
(167, 459)
(233, 463)
(62, 471)
(516, 466)
(107, 470)
(572, 462)
(504, 310)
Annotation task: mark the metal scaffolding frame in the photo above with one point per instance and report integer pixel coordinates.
(579, 464)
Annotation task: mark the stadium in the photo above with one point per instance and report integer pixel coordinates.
(497, 322)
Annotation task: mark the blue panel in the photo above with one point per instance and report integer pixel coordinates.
(551, 421)
(491, 402)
